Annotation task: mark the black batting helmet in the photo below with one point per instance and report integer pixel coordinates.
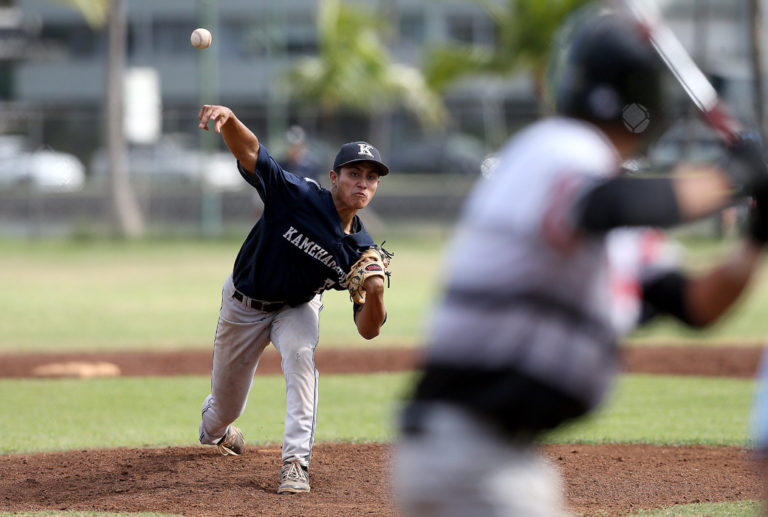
(608, 73)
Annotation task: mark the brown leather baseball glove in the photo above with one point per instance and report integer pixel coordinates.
(373, 262)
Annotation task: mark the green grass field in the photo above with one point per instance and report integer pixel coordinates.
(100, 295)
(166, 295)
(112, 295)
(156, 412)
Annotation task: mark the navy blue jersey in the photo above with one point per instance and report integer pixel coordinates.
(298, 247)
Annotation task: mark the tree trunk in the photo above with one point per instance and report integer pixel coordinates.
(124, 209)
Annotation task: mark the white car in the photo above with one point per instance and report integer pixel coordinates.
(43, 169)
(173, 161)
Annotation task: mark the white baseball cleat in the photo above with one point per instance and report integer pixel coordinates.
(293, 478)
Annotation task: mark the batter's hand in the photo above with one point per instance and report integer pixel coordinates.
(220, 115)
(746, 165)
(757, 227)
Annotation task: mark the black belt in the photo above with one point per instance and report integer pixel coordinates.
(257, 304)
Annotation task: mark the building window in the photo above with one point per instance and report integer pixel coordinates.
(293, 36)
(471, 29)
(411, 28)
(77, 41)
(172, 36)
(299, 35)
(461, 28)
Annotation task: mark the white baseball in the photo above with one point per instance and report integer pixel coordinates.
(201, 38)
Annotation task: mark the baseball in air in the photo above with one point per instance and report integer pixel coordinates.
(200, 38)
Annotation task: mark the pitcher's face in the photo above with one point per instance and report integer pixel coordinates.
(355, 184)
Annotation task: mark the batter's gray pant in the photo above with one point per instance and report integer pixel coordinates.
(458, 466)
(242, 335)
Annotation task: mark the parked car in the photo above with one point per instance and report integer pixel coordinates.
(173, 160)
(40, 169)
(441, 154)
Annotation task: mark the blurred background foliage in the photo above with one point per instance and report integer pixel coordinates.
(437, 86)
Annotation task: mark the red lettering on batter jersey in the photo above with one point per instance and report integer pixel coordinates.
(557, 224)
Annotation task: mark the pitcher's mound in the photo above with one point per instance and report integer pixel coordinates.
(79, 369)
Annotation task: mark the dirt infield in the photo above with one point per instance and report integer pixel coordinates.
(351, 479)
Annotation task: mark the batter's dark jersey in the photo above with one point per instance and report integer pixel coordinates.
(298, 247)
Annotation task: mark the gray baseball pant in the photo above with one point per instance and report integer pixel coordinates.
(242, 335)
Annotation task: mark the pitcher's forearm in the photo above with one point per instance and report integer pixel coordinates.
(240, 140)
(371, 316)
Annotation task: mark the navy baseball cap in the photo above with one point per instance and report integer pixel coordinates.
(359, 152)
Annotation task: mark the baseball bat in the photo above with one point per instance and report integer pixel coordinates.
(647, 15)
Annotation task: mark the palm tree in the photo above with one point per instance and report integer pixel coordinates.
(94, 11)
(525, 31)
(123, 206)
(354, 70)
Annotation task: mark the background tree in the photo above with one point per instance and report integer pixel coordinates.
(94, 11)
(123, 208)
(354, 70)
(524, 35)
